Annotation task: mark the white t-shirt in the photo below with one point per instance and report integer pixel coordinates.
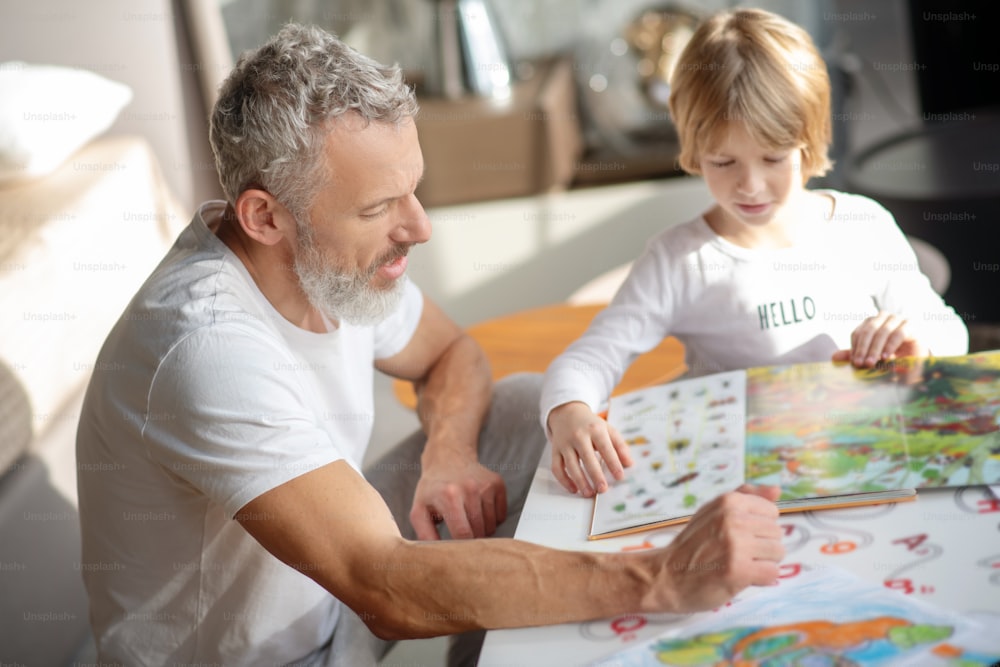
(203, 398)
(735, 307)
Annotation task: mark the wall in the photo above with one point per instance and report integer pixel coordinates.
(141, 43)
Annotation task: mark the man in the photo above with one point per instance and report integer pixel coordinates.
(224, 516)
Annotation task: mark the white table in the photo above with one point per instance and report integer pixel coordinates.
(943, 548)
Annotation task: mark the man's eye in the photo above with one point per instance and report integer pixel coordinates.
(378, 213)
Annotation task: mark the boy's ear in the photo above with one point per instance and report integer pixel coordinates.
(262, 217)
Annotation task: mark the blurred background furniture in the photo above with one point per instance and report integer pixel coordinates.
(942, 184)
(940, 176)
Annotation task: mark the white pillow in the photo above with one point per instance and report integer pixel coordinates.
(48, 112)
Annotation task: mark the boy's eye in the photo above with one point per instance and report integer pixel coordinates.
(721, 163)
(776, 159)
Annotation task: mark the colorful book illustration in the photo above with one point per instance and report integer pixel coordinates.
(830, 435)
(823, 617)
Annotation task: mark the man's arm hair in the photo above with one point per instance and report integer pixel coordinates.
(334, 527)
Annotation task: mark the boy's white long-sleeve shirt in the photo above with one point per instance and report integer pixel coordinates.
(735, 307)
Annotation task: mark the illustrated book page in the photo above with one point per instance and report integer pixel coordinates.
(826, 429)
(687, 440)
(829, 435)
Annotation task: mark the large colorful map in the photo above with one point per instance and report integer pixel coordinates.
(824, 618)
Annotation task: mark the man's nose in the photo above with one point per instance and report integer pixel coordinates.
(414, 225)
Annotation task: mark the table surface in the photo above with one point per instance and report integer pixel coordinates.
(943, 548)
(530, 339)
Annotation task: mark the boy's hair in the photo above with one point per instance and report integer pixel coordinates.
(754, 67)
(269, 124)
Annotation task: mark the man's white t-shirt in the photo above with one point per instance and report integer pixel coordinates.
(203, 398)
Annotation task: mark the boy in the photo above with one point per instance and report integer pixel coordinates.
(772, 273)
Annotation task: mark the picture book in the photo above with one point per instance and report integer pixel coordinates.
(823, 617)
(829, 435)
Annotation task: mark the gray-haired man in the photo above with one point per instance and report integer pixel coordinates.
(242, 390)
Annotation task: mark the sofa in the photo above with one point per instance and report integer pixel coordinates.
(75, 244)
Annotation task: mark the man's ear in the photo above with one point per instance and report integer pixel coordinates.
(262, 218)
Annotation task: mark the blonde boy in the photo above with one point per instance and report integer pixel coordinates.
(772, 272)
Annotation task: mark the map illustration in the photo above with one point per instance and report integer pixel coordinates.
(824, 618)
(818, 429)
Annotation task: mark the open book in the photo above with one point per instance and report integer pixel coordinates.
(830, 435)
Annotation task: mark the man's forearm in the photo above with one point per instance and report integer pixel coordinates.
(333, 525)
(431, 588)
(453, 399)
(427, 588)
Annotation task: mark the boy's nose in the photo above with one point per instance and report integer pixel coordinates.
(750, 182)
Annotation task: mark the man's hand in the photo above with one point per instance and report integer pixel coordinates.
(881, 338)
(470, 499)
(454, 386)
(729, 544)
(581, 441)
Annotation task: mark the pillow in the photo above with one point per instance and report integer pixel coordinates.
(48, 112)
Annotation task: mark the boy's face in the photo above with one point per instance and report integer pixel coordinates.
(752, 184)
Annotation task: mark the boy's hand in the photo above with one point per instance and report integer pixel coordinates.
(881, 338)
(580, 442)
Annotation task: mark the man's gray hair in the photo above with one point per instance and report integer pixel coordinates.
(269, 124)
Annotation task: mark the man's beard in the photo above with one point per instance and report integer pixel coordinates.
(345, 295)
